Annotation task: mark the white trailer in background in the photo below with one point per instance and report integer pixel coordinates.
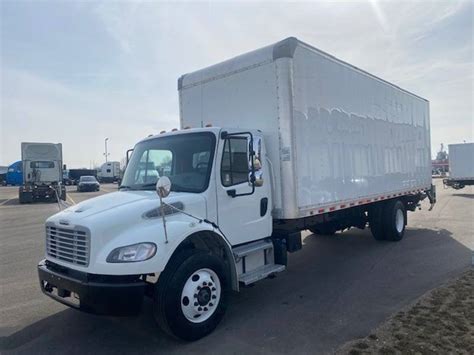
(461, 165)
(42, 172)
(272, 142)
(109, 172)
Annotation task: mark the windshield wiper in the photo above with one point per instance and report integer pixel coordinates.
(124, 187)
(144, 186)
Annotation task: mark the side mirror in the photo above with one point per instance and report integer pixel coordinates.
(163, 186)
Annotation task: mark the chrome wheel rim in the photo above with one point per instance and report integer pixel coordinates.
(201, 295)
(399, 221)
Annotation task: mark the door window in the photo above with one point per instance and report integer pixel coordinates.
(235, 164)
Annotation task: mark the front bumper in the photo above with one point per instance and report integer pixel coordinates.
(92, 293)
(87, 187)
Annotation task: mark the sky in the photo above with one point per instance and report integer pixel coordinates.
(78, 72)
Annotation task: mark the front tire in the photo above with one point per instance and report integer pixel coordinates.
(191, 295)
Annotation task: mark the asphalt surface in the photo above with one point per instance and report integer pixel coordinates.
(335, 289)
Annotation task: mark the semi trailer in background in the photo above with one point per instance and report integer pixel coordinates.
(273, 142)
(42, 165)
(461, 165)
(109, 172)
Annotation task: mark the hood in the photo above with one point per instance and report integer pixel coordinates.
(128, 202)
(122, 218)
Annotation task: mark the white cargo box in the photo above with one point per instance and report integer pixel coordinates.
(461, 161)
(336, 136)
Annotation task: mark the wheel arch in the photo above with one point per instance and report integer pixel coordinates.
(215, 244)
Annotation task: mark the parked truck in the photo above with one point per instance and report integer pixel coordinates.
(273, 142)
(461, 166)
(42, 172)
(15, 174)
(109, 172)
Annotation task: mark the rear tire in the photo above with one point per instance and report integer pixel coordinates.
(376, 222)
(394, 216)
(388, 220)
(184, 305)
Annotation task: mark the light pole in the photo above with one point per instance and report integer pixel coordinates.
(106, 154)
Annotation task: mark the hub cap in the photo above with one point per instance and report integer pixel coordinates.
(399, 221)
(201, 295)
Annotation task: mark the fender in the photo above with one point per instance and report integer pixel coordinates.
(200, 233)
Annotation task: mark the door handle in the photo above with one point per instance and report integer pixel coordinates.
(263, 206)
(231, 193)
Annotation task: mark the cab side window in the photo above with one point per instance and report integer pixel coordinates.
(235, 165)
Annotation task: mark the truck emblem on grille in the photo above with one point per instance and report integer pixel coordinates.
(64, 222)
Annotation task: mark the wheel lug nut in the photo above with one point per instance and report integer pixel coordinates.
(196, 304)
(199, 287)
(213, 297)
(211, 304)
(205, 308)
(204, 283)
(195, 295)
(210, 284)
(200, 309)
(213, 289)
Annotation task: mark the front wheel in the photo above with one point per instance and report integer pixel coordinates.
(191, 295)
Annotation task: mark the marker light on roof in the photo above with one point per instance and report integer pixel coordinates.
(174, 130)
(162, 132)
(209, 125)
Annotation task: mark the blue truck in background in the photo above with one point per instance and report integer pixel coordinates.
(15, 174)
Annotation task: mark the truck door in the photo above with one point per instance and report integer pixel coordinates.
(244, 207)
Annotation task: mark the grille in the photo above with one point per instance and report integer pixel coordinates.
(70, 245)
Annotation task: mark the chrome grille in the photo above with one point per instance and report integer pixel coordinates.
(70, 245)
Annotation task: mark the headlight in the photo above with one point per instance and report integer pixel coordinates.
(132, 253)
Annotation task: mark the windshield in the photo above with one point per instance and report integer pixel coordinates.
(186, 159)
(87, 178)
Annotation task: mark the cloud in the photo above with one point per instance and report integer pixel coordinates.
(37, 109)
(425, 47)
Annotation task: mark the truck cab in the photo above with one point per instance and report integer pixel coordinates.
(210, 234)
(42, 172)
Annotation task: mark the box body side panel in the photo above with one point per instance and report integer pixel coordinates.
(245, 99)
(354, 136)
(461, 161)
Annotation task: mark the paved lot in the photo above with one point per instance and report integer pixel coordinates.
(336, 288)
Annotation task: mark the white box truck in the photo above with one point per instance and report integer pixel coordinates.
(42, 172)
(276, 141)
(461, 165)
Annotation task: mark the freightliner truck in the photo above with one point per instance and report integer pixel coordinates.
(461, 165)
(42, 172)
(273, 142)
